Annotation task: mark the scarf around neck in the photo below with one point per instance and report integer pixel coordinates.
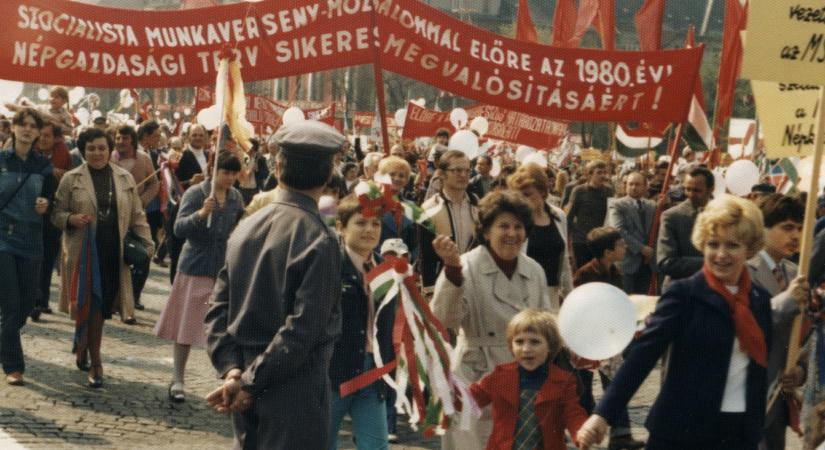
(751, 337)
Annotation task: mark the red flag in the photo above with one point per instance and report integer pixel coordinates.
(564, 22)
(602, 14)
(525, 30)
(606, 23)
(697, 117)
(588, 10)
(649, 25)
(736, 17)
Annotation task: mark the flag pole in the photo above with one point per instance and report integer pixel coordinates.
(806, 245)
(221, 88)
(379, 90)
(673, 151)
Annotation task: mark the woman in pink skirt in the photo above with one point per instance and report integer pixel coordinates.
(200, 260)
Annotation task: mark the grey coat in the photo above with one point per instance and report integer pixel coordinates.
(783, 311)
(675, 254)
(275, 314)
(623, 214)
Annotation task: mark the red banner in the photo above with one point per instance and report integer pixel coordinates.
(51, 41)
(519, 128)
(510, 126)
(261, 112)
(363, 120)
(423, 122)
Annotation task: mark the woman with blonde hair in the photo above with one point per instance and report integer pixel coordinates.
(547, 240)
(718, 325)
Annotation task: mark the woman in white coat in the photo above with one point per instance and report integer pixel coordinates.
(478, 292)
(547, 240)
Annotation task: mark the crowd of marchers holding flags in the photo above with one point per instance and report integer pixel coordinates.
(269, 250)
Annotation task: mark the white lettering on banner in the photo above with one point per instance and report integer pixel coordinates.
(531, 92)
(36, 19)
(249, 56)
(37, 55)
(237, 30)
(325, 44)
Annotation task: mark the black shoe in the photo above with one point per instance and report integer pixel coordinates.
(176, 394)
(625, 442)
(130, 321)
(82, 365)
(35, 315)
(46, 310)
(139, 306)
(95, 379)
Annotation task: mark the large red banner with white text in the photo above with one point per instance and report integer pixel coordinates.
(52, 41)
(510, 126)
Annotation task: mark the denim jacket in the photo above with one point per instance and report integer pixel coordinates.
(20, 226)
(205, 248)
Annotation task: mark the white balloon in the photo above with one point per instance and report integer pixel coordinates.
(718, 182)
(458, 117)
(209, 117)
(176, 115)
(419, 102)
(82, 115)
(125, 93)
(805, 170)
(401, 117)
(465, 141)
(327, 205)
(597, 321)
(10, 90)
(187, 111)
(524, 151)
(741, 176)
(293, 114)
(131, 122)
(43, 94)
(539, 158)
(127, 102)
(76, 94)
(96, 113)
(480, 125)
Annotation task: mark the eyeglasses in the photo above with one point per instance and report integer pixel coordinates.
(459, 171)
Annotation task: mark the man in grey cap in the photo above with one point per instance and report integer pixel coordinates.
(275, 308)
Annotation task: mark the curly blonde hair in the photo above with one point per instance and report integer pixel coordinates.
(728, 212)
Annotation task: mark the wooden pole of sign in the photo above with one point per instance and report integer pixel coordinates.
(379, 89)
(806, 245)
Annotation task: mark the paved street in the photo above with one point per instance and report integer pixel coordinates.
(55, 409)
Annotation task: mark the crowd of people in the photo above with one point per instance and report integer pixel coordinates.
(274, 285)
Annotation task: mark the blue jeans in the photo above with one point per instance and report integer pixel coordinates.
(19, 278)
(369, 416)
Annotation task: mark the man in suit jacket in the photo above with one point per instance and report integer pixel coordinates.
(633, 217)
(481, 184)
(772, 270)
(192, 165)
(676, 257)
(275, 311)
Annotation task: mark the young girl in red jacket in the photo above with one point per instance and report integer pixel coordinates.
(533, 399)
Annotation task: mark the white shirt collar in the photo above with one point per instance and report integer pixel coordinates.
(357, 259)
(768, 260)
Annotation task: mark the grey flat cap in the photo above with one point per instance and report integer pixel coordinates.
(309, 138)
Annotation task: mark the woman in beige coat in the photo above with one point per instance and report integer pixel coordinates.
(104, 196)
(480, 291)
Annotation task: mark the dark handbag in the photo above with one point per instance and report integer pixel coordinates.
(134, 252)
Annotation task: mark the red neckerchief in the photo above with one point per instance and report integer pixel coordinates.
(751, 337)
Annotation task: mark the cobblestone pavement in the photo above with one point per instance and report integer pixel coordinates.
(55, 409)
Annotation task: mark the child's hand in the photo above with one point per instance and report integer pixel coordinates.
(592, 432)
